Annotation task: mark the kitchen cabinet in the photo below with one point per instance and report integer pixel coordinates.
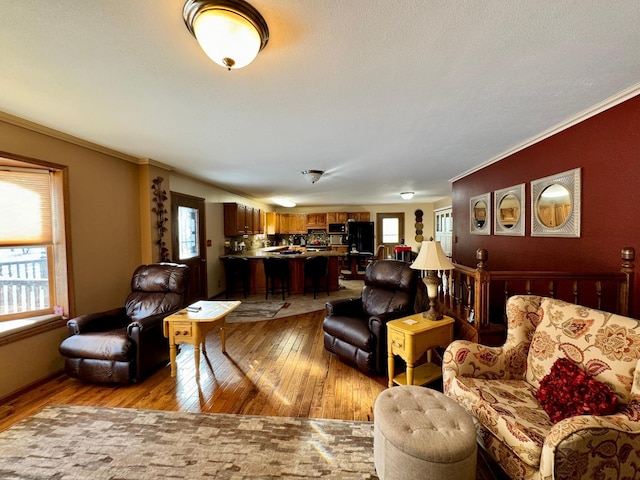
(241, 220)
(257, 224)
(336, 217)
(293, 223)
(272, 223)
(358, 216)
(317, 220)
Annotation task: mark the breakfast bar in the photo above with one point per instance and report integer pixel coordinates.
(296, 257)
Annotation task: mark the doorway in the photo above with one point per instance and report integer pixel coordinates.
(188, 242)
(444, 229)
(390, 231)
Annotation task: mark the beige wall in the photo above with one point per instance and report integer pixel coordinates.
(104, 235)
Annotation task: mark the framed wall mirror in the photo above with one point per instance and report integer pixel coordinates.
(480, 214)
(555, 201)
(509, 211)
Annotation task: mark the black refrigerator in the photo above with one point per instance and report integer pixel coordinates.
(360, 235)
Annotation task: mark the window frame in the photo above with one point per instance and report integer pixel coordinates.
(58, 255)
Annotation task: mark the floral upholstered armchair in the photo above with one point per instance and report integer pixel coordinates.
(574, 364)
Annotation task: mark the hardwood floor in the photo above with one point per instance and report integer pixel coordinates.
(276, 367)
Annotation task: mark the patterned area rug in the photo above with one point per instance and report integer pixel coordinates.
(73, 442)
(250, 311)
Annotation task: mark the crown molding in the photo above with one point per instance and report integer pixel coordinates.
(580, 117)
(50, 132)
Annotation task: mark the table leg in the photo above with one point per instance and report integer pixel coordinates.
(390, 367)
(172, 354)
(197, 337)
(223, 339)
(409, 373)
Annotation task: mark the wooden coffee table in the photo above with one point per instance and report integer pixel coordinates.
(191, 325)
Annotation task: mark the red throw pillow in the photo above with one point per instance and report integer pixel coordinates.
(568, 391)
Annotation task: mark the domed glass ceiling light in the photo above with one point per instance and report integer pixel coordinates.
(231, 32)
(312, 175)
(407, 195)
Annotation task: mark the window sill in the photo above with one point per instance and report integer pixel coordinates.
(14, 330)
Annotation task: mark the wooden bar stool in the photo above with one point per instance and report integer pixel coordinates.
(276, 272)
(316, 268)
(237, 272)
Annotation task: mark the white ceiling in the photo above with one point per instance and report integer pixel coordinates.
(384, 95)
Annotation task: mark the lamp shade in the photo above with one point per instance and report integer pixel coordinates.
(431, 257)
(231, 32)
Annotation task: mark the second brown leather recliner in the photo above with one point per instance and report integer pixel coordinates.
(355, 329)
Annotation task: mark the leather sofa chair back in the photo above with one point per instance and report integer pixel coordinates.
(389, 286)
(156, 288)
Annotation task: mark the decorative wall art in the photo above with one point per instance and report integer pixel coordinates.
(555, 201)
(509, 211)
(480, 214)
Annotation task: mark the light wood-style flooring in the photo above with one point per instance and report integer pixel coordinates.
(275, 367)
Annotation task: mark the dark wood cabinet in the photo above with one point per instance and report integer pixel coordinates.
(241, 220)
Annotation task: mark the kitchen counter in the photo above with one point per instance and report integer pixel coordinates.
(296, 255)
(286, 252)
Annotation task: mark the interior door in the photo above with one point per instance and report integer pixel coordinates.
(188, 241)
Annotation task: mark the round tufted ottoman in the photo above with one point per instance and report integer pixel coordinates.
(421, 433)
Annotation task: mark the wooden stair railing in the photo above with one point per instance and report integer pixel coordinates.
(476, 297)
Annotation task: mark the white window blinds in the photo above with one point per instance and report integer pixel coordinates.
(25, 208)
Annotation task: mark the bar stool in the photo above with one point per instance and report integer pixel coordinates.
(276, 272)
(236, 271)
(316, 268)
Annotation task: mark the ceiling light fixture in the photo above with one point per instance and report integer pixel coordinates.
(231, 32)
(312, 175)
(284, 202)
(407, 195)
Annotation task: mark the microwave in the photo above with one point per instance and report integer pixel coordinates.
(337, 228)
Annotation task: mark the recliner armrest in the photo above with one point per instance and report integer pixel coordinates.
(147, 323)
(95, 322)
(345, 307)
(376, 322)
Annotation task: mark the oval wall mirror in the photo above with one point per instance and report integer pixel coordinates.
(480, 214)
(509, 211)
(556, 205)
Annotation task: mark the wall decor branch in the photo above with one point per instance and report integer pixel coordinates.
(159, 197)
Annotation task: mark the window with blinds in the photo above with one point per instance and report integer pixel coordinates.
(26, 241)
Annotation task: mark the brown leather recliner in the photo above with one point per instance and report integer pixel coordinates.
(355, 329)
(125, 344)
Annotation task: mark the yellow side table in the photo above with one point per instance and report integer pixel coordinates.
(410, 337)
(191, 325)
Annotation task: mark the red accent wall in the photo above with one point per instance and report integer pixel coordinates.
(607, 149)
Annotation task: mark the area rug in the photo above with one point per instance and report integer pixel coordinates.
(254, 311)
(75, 442)
(65, 442)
